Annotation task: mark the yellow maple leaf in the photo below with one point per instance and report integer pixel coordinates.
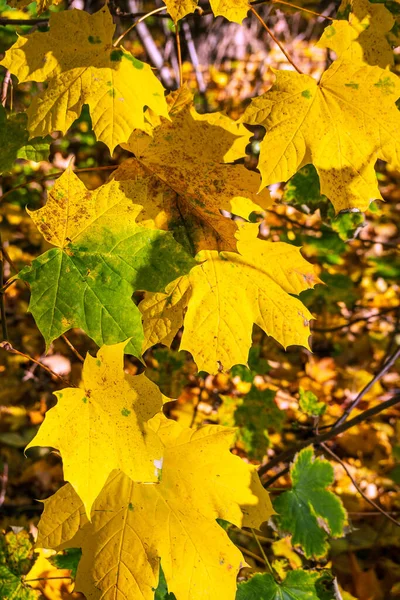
(184, 161)
(134, 526)
(103, 426)
(163, 313)
(71, 208)
(233, 10)
(78, 61)
(229, 292)
(341, 125)
(363, 37)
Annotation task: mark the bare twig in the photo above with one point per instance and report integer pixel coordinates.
(9, 348)
(311, 12)
(179, 53)
(55, 175)
(323, 437)
(360, 491)
(384, 369)
(4, 89)
(277, 42)
(72, 348)
(4, 481)
(2, 300)
(357, 320)
(142, 18)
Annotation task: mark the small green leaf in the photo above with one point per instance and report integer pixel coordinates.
(67, 559)
(299, 509)
(298, 585)
(309, 403)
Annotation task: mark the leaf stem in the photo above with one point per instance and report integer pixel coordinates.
(149, 14)
(277, 42)
(262, 551)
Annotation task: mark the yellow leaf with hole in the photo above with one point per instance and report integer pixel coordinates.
(103, 426)
(185, 162)
(341, 125)
(134, 526)
(233, 10)
(361, 38)
(77, 60)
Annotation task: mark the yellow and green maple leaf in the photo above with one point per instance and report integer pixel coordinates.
(226, 293)
(101, 257)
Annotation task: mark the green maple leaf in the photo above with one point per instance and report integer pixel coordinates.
(299, 509)
(16, 559)
(309, 403)
(14, 141)
(102, 257)
(298, 585)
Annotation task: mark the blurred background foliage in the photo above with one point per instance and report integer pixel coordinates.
(283, 395)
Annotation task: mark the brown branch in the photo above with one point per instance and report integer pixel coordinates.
(277, 42)
(323, 437)
(384, 369)
(9, 348)
(2, 300)
(72, 348)
(55, 175)
(360, 491)
(179, 54)
(357, 320)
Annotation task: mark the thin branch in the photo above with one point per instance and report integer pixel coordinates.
(179, 53)
(45, 579)
(384, 369)
(27, 22)
(311, 12)
(357, 320)
(360, 491)
(277, 42)
(2, 297)
(142, 18)
(323, 437)
(55, 175)
(9, 348)
(72, 348)
(251, 554)
(4, 89)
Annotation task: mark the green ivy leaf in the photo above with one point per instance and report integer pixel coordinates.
(309, 403)
(14, 141)
(299, 509)
(298, 585)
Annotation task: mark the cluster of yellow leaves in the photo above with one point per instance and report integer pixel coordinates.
(144, 489)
